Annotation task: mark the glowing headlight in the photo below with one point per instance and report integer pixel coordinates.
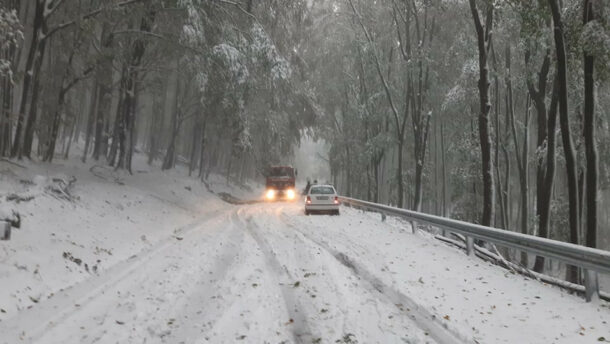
(270, 194)
(290, 194)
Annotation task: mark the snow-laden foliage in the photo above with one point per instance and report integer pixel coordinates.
(10, 35)
(595, 39)
(460, 94)
(455, 96)
(193, 32)
(233, 60)
(264, 51)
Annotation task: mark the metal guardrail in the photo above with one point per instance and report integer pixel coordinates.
(592, 260)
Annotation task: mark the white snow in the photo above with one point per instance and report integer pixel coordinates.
(105, 224)
(177, 265)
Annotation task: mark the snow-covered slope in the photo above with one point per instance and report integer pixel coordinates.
(173, 264)
(104, 219)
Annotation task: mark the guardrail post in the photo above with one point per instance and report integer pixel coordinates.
(591, 285)
(470, 246)
(5, 230)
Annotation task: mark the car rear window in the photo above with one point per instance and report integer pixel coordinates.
(322, 190)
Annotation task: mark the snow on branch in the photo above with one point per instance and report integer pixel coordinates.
(10, 35)
(233, 59)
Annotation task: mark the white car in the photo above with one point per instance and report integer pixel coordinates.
(322, 198)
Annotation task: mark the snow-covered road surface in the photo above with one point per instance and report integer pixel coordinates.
(266, 273)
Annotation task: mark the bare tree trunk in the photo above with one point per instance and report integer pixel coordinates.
(7, 91)
(192, 160)
(497, 136)
(100, 147)
(397, 121)
(522, 165)
(538, 95)
(30, 72)
(91, 119)
(590, 13)
(70, 137)
(131, 138)
(202, 145)
(55, 127)
(170, 155)
(30, 123)
(213, 160)
(421, 119)
(61, 102)
(118, 122)
(103, 79)
(129, 90)
(399, 178)
(566, 135)
(5, 116)
(348, 169)
(155, 131)
(544, 202)
(484, 42)
(444, 163)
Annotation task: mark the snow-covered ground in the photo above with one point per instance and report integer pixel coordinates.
(167, 262)
(250, 191)
(109, 218)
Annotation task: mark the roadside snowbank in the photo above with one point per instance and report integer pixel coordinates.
(80, 219)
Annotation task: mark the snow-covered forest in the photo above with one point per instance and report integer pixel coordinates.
(392, 87)
(494, 112)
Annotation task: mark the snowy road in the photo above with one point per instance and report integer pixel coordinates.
(266, 273)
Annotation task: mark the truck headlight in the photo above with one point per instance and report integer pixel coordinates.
(270, 194)
(290, 194)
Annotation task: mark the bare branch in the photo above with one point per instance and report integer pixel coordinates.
(84, 17)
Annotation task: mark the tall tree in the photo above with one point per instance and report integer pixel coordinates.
(484, 33)
(35, 54)
(419, 85)
(566, 134)
(126, 115)
(400, 121)
(10, 37)
(589, 15)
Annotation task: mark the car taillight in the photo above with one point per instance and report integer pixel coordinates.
(336, 200)
(308, 201)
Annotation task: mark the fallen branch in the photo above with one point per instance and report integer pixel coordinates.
(61, 189)
(19, 198)
(115, 179)
(92, 170)
(497, 259)
(12, 163)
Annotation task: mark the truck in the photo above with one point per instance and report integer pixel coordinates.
(280, 183)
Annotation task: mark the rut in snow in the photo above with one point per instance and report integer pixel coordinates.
(420, 316)
(300, 328)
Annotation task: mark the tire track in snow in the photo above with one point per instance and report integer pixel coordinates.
(339, 274)
(189, 308)
(300, 328)
(53, 311)
(420, 316)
